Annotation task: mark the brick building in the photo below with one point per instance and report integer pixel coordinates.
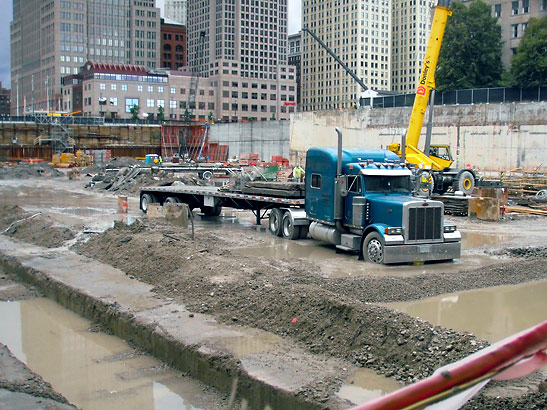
(173, 45)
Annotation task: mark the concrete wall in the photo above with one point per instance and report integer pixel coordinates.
(266, 138)
(490, 137)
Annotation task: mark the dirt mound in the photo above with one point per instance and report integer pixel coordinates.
(270, 294)
(37, 228)
(528, 252)
(29, 171)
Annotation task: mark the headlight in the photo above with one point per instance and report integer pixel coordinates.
(393, 231)
(449, 228)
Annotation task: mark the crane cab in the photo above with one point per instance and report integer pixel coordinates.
(441, 155)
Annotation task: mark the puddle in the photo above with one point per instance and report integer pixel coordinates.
(341, 265)
(366, 385)
(92, 370)
(473, 240)
(491, 313)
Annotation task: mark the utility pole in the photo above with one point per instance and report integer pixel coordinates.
(32, 94)
(47, 93)
(17, 82)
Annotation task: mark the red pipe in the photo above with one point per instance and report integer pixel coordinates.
(481, 363)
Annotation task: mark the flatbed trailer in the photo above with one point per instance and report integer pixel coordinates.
(211, 199)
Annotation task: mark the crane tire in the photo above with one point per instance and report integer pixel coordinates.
(464, 182)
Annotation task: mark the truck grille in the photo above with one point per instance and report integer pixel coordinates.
(424, 223)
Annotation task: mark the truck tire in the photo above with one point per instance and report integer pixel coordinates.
(147, 199)
(211, 210)
(290, 230)
(275, 222)
(373, 248)
(464, 182)
(171, 200)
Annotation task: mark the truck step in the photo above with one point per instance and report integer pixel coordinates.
(350, 241)
(345, 248)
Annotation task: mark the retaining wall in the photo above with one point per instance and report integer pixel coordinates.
(490, 137)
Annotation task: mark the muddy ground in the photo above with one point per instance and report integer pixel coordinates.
(334, 316)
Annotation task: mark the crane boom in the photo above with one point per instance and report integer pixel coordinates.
(333, 55)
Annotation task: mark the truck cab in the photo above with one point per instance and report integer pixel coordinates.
(361, 200)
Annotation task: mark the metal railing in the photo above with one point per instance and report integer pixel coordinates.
(465, 97)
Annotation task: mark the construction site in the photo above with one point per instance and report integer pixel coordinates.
(113, 297)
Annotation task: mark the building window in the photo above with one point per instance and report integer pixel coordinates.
(139, 88)
(161, 103)
(124, 87)
(102, 86)
(173, 90)
(150, 103)
(173, 104)
(526, 6)
(113, 87)
(514, 30)
(160, 89)
(543, 5)
(514, 8)
(150, 88)
(130, 102)
(113, 100)
(497, 10)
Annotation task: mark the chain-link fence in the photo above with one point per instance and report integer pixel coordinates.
(471, 96)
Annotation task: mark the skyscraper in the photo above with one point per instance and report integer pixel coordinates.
(411, 22)
(242, 46)
(51, 39)
(359, 33)
(175, 10)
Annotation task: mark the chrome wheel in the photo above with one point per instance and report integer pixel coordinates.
(374, 248)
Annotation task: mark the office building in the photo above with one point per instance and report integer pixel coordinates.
(240, 46)
(175, 10)
(173, 45)
(51, 39)
(411, 25)
(359, 32)
(295, 60)
(5, 96)
(513, 16)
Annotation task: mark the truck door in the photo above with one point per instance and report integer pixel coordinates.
(354, 189)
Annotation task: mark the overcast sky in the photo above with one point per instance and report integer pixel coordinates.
(295, 13)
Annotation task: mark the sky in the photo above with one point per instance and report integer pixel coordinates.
(295, 13)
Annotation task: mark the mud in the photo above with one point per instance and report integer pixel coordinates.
(326, 315)
(333, 316)
(23, 171)
(35, 228)
(20, 387)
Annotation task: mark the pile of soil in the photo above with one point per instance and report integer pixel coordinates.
(29, 171)
(331, 316)
(38, 229)
(16, 377)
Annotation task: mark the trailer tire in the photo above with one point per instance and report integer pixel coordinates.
(373, 248)
(171, 200)
(211, 210)
(147, 199)
(464, 182)
(275, 222)
(290, 230)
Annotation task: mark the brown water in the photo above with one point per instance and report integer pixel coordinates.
(366, 385)
(93, 370)
(491, 313)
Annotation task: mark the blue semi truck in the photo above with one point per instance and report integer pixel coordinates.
(358, 200)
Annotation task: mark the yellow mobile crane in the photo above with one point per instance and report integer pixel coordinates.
(434, 167)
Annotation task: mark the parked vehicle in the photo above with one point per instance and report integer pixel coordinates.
(358, 200)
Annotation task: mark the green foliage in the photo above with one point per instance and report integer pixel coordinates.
(470, 55)
(187, 117)
(134, 112)
(529, 64)
(161, 113)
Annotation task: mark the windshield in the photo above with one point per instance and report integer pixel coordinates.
(388, 184)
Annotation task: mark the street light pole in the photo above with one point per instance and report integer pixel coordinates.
(17, 82)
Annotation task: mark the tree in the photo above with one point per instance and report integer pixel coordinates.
(161, 113)
(134, 112)
(529, 65)
(470, 54)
